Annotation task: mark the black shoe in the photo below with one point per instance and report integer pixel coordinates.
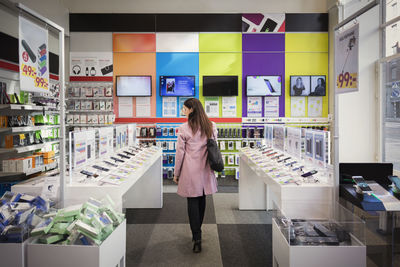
(197, 246)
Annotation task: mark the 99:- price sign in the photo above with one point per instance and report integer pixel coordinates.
(30, 72)
(347, 80)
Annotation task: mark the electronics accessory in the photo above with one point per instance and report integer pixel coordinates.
(307, 174)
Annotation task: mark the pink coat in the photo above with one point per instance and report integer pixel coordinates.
(191, 165)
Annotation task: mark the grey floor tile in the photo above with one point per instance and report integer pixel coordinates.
(246, 244)
(228, 189)
(170, 245)
(227, 211)
(173, 211)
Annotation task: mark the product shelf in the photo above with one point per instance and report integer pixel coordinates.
(27, 128)
(24, 149)
(87, 125)
(10, 175)
(89, 111)
(90, 98)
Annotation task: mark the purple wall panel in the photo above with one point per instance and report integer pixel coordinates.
(262, 42)
(264, 54)
(264, 64)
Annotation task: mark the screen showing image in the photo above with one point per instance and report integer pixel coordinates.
(220, 85)
(177, 85)
(318, 85)
(133, 85)
(264, 85)
(299, 85)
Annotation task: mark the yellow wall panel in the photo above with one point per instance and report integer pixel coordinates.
(220, 42)
(306, 42)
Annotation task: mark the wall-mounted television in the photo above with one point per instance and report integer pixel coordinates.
(263, 85)
(177, 85)
(318, 85)
(300, 85)
(133, 86)
(220, 85)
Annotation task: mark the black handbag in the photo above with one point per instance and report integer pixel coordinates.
(214, 156)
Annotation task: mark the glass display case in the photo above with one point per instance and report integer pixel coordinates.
(306, 241)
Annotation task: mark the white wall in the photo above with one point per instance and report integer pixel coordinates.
(195, 6)
(358, 124)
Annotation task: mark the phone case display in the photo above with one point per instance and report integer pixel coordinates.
(167, 135)
(89, 104)
(340, 235)
(146, 134)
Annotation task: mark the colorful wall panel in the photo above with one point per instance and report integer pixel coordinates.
(214, 64)
(176, 64)
(220, 42)
(177, 42)
(263, 55)
(125, 42)
(306, 60)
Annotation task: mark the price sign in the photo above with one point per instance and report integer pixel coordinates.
(41, 83)
(28, 71)
(347, 80)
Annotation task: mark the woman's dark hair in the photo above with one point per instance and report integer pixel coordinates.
(322, 81)
(198, 119)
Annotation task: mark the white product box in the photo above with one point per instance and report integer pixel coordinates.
(101, 119)
(90, 119)
(77, 92)
(108, 91)
(12, 165)
(77, 105)
(89, 92)
(83, 118)
(102, 105)
(95, 119)
(5, 165)
(77, 119)
(51, 119)
(24, 165)
(96, 105)
(88, 105)
(109, 105)
(110, 119)
(70, 119)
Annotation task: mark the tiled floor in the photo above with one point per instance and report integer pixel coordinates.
(162, 237)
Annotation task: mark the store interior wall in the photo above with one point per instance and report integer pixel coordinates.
(357, 111)
(195, 6)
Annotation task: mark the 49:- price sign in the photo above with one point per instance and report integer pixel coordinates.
(346, 80)
(30, 72)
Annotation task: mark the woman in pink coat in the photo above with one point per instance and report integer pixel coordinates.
(193, 174)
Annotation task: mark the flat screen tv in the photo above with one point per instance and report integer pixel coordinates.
(264, 85)
(177, 85)
(220, 85)
(318, 85)
(133, 86)
(300, 85)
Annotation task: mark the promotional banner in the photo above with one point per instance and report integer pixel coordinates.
(263, 23)
(346, 60)
(91, 64)
(33, 57)
(212, 106)
(254, 106)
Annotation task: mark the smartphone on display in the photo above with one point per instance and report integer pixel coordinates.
(269, 26)
(360, 182)
(395, 180)
(269, 85)
(309, 173)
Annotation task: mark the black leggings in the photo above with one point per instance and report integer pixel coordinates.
(196, 209)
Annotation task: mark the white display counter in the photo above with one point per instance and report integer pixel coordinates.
(142, 189)
(110, 253)
(259, 191)
(13, 254)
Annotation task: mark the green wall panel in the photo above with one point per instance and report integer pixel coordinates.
(220, 42)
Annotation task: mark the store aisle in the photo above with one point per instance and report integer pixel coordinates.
(230, 237)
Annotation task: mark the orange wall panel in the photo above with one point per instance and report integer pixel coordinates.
(136, 64)
(135, 42)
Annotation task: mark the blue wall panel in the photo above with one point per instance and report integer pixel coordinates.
(179, 64)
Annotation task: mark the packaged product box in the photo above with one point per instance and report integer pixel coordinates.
(33, 158)
(108, 91)
(96, 105)
(109, 105)
(48, 161)
(24, 164)
(95, 119)
(77, 92)
(70, 119)
(101, 119)
(9, 140)
(51, 119)
(88, 105)
(5, 165)
(46, 155)
(83, 119)
(77, 105)
(102, 105)
(12, 165)
(77, 119)
(90, 119)
(89, 92)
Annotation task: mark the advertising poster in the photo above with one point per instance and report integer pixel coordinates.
(125, 107)
(271, 107)
(79, 149)
(263, 23)
(169, 107)
(91, 64)
(143, 107)
(346, 60)
(298, 106)
(106, 141)
(212, 106)
(293, 141)
(254, 106)
(91, 146)
(181, 101)
(229, 106)
(33, 57)
(315, 106)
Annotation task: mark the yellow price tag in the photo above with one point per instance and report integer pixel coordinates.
(347, 80)
(28, 71)
(41, 83)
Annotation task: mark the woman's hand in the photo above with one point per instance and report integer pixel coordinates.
(176, 179)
